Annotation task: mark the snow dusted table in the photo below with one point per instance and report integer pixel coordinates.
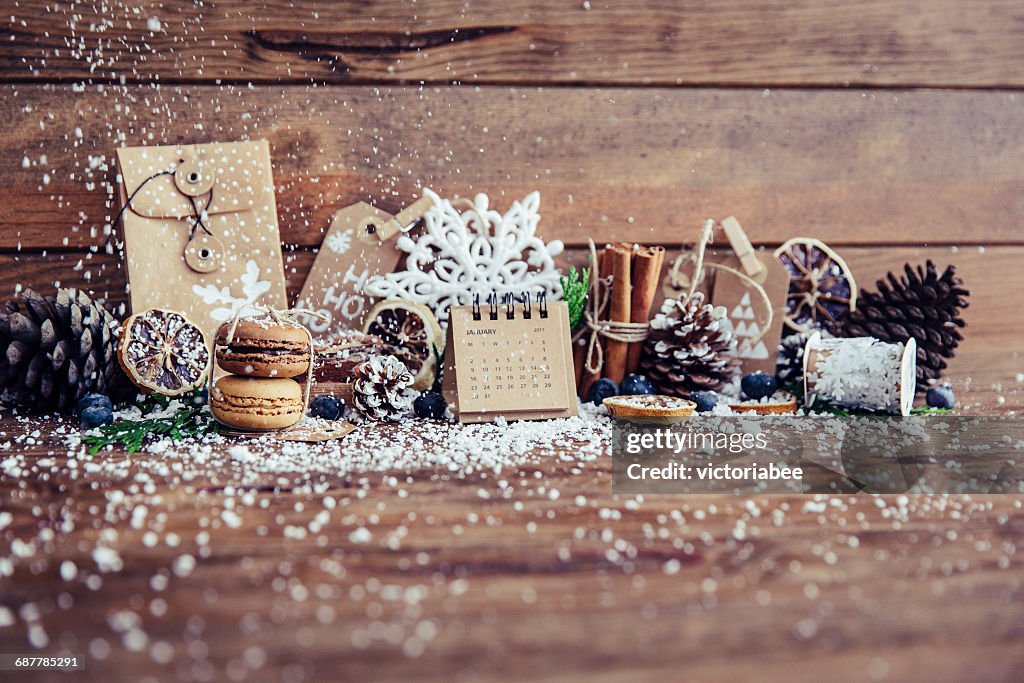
(242, 563)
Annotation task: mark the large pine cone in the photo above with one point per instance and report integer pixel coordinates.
(690, 348)
(381, 388)
(56, 349)
(922, 304)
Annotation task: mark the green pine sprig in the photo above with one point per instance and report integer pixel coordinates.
(923, 410)
(191, 420)
(823, 407)
(575, 287)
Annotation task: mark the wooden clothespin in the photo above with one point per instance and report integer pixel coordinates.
(744, 250)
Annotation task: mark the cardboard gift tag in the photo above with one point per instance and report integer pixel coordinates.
(757, 324)
(359, 244)
(200, 229)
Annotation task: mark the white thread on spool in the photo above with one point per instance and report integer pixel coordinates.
(862, 373)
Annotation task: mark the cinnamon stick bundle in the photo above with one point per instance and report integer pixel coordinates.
(646, 271)
(635, 273)
(619, 310)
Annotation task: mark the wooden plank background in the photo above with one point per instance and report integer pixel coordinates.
(738, 42)
(932, 174)
(892, 129)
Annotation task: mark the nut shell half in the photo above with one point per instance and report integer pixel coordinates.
(656, 408)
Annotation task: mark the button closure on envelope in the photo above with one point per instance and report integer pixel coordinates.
(192, 177)
(204, 253)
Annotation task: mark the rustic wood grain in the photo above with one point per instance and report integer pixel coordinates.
(992, 354)
(527, 588)
(748, 42)
(638, 165)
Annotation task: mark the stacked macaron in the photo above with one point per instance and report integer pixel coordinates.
(262, 355)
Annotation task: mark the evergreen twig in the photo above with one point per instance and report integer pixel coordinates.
(191, 420)
(575, 287)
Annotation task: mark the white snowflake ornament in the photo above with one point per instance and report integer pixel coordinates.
(478, 251)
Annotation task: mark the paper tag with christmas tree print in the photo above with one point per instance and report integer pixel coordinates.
(756, 313)
(757, 322)
(359, 244)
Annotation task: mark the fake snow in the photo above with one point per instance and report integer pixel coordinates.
(408, 446)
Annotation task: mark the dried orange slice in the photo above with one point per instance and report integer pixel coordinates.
(412, 327)
(163, 352)
(821, 287)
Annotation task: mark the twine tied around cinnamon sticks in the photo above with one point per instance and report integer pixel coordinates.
(623, 284)
(620, 331)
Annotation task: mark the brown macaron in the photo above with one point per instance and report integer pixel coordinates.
(256, 402)
(263, 348)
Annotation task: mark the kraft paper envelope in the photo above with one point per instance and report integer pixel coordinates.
(200, 230)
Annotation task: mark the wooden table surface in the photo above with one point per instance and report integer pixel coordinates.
(891, 129)
(536, 572)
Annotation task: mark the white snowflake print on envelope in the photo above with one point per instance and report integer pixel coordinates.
(252, 289)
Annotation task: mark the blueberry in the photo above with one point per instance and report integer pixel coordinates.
(758, 384)
(941, 397)
(430, 405)
(93, 399)
(633, 385)
(326, 407)
(602, 389)
(705, 400)
(201, 397)
(96, 415)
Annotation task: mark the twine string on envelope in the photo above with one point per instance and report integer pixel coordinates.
(598, 298)
(197, 216)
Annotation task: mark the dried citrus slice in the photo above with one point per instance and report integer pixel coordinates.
(163, 352)
(821, 287)
(412, 327)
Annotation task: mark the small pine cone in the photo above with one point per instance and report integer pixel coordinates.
(789, 364)
(690, 348)
(381, 388)
(922, 304)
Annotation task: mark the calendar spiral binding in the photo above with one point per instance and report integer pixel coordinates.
(508, 300)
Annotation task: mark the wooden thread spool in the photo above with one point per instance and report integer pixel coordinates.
(861, 373)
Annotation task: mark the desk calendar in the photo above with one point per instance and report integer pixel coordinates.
(510, 358)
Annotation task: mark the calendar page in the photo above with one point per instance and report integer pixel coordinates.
(511, 365)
